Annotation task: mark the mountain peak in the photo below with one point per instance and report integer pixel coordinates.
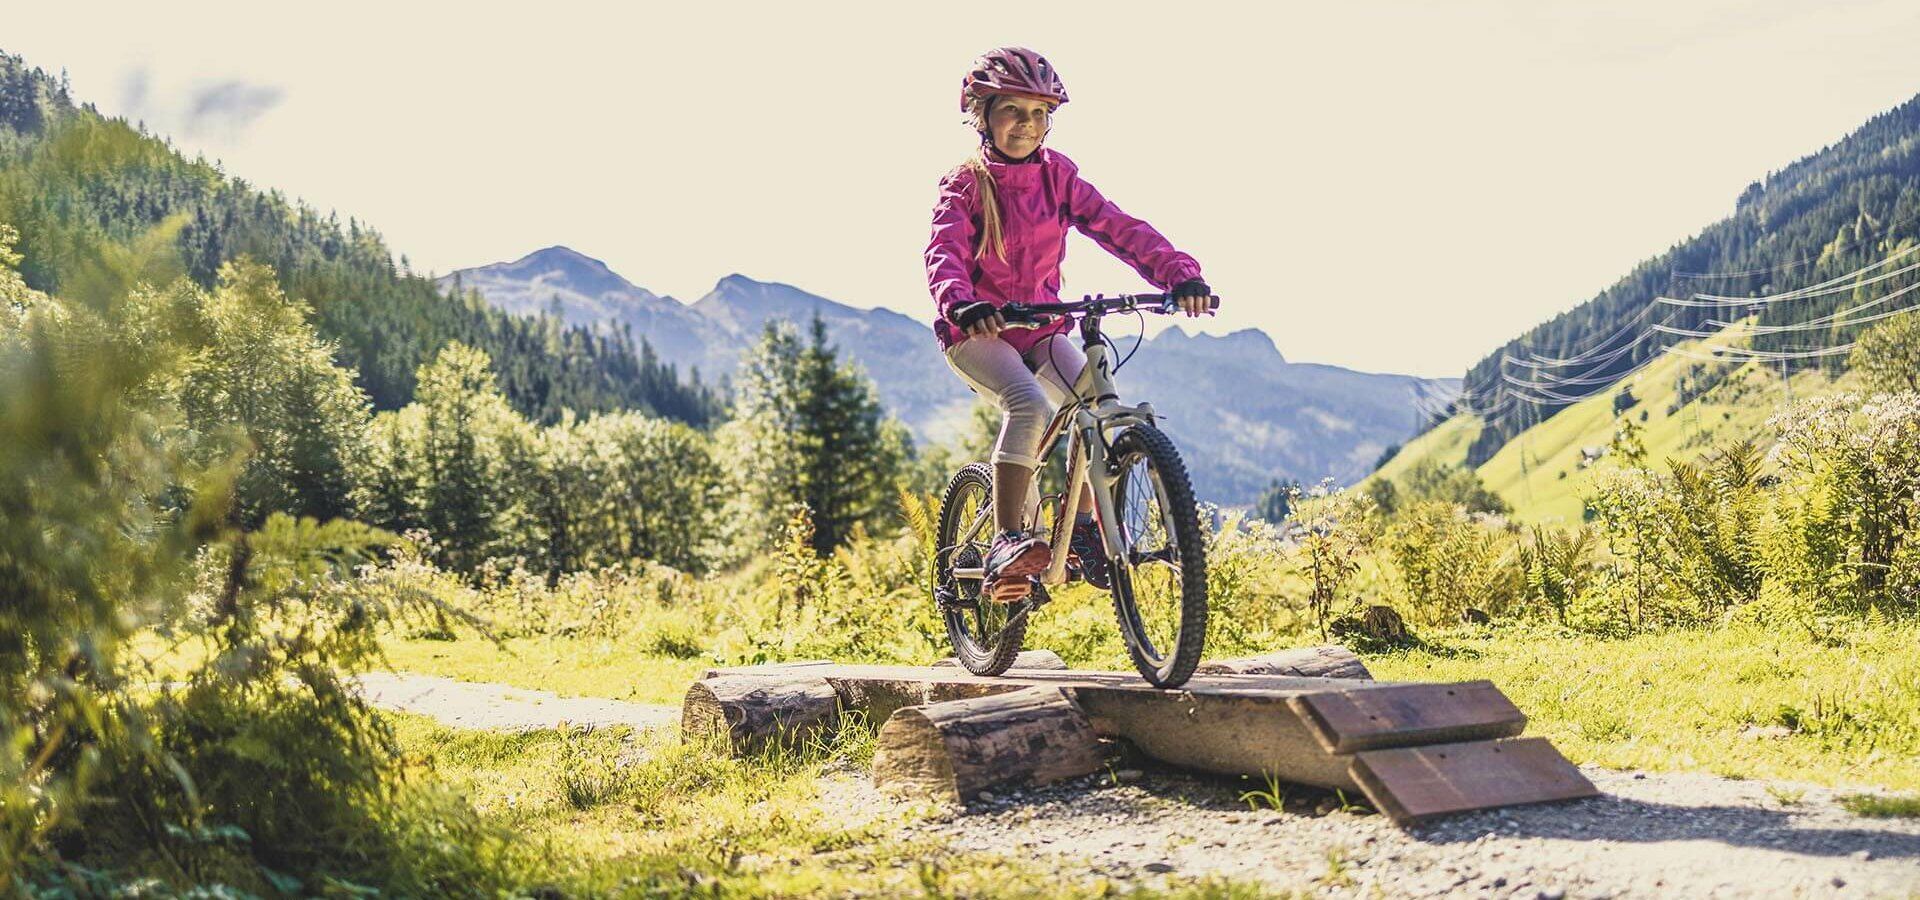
(1249, 343)
(1246, 345)
(558, 253)
(738, 290)
(563, 264)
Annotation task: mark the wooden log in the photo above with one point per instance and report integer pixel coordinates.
(1413, 784)
(1331, 661)
(879, 699)
(1025, 659)
(1117, 681)
(951, 751)
(1226, 724)
(755, 711)
(766, 668)
(1416, 750)
(1246, 733)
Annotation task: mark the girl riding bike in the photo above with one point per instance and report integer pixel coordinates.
(999, 234)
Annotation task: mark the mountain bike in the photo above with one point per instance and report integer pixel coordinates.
(1143, 504)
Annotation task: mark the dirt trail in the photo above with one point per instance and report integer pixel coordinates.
(496, 706)
(1651, 835)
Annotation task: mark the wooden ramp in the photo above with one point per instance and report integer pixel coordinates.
(1416, 751)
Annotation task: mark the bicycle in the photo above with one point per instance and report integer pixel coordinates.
(1143, 504)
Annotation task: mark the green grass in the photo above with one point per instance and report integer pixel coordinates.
(1445, 443)
(1877, 806)
(615, 813)
(1684, 700)
(570, 667)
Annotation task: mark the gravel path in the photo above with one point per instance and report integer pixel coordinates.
(495, 706)
(1651, 835)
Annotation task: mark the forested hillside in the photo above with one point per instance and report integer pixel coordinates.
(100, 204)
(1822, 219)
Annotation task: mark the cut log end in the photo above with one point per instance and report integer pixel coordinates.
(910, 757)
(951, 751)
(753, 712)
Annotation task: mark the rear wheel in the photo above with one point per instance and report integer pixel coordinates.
(1160, 571)
(986, 636)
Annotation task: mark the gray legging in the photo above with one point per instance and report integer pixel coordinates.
(1028, 387)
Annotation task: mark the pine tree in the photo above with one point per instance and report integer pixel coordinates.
(809, 429)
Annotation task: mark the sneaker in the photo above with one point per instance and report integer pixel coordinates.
(1090, 556)
(1011, 560)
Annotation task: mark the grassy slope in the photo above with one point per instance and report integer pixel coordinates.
(1445, 443)
(1548, 487)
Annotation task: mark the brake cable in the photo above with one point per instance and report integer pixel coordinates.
(1138, 339)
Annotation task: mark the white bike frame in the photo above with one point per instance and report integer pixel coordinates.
(1093, 417)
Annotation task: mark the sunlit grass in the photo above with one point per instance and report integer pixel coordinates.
(568, 666)
(1715, 700)
(1445, 443)
(618, 812)
(1877, 806)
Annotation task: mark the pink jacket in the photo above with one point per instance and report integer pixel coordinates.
(1038, 202)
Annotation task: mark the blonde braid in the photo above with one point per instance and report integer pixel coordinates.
(991, 234)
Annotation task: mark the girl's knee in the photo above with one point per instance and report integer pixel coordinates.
(1026, 400)
(1027, 412)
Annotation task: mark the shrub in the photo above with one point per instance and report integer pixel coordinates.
(1557, 567)
(1458, 485)
(254, 769)
(1841, 530)
(1246, 586)
(1449, 561)
(1337, 528)
(1888, 355)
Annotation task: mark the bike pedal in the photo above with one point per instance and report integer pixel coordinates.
(1012, 590)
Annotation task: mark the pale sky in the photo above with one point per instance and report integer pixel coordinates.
(1390, 186)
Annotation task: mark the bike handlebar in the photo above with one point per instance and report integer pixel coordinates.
(1029, 315)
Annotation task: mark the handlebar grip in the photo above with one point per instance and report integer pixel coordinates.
(1021, 315)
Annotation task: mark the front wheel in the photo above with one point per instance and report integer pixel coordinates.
(1160, 569)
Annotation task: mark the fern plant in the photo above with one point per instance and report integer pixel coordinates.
(1558, 566)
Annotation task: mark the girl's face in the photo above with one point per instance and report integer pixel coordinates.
(1018, 124)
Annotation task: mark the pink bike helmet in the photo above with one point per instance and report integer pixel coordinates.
(1012, 70)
